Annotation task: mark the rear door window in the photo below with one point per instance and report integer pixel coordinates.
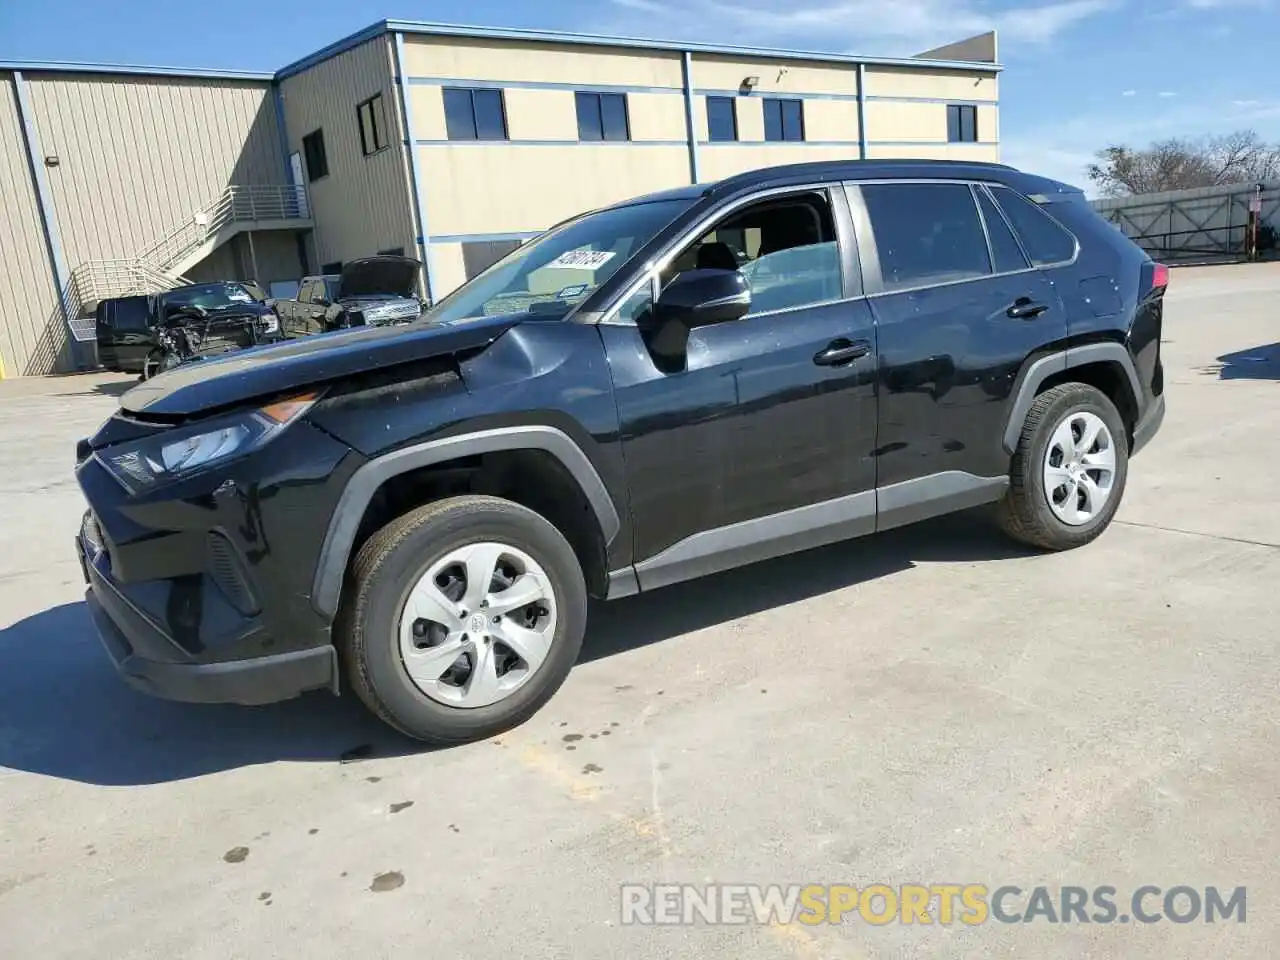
(1004, 246)
(926, 233)
(1044, 239)
(130, 314)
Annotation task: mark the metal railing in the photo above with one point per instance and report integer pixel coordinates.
(153, 270)
(236, 204)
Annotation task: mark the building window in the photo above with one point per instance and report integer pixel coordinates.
(602, 116)
(480, 255)
(962, 123)
(313, 151)
(473, 114)
(722, 119)
(372, 117)
(783, 119)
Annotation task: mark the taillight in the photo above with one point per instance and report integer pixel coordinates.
(1159, 276)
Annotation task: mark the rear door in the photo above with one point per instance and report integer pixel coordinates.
(958, 309)
(123, 333)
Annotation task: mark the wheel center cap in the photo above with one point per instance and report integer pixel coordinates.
(478, 623)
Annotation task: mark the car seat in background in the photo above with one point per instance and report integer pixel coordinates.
(716, 256)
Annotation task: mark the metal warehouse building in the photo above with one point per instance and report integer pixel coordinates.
(450, 143)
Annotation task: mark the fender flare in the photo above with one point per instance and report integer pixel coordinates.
(1044, 368)
(364, 483)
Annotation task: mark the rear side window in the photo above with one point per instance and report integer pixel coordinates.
(926, 233)
(1004, 247)
(1044, 240)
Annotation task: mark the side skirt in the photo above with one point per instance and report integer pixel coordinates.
(803, 528)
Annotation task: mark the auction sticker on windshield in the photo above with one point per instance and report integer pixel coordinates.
(583, 259)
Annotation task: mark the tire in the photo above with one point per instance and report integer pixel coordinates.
(1026, 513)
(153, 364)
(394, 564)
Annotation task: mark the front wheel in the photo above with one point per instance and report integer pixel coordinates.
(463, 618)
(1068, 473)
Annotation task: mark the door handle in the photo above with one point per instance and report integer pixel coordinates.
(1024, 308)
(841, 351)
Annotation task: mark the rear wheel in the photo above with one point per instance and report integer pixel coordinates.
(1068, 473)
(465, 616)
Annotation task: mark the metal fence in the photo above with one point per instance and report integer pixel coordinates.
(1208, 225)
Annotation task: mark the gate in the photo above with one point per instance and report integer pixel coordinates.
(1206, 225)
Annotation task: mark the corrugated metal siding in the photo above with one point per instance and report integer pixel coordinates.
(362, 206)
(137, 156)
(31, 329)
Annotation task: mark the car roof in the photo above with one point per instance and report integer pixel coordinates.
(840, 170)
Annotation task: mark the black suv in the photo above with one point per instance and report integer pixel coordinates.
(209, 317)
(422, 511)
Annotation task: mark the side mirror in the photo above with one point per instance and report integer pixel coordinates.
(695, 298)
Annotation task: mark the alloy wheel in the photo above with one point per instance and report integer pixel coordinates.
(477, 625)
(1079, 468)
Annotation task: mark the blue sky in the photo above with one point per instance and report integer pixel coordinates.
(1080, 74)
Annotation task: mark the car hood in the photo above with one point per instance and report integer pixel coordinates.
(379, 276)
(209, 385)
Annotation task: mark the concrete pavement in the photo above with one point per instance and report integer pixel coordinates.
(934, 705)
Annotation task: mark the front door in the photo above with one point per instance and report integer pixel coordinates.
(762, 441)
(958, 311)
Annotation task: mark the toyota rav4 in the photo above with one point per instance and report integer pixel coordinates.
(644, 394)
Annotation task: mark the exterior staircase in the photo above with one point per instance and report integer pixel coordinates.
(161, 265)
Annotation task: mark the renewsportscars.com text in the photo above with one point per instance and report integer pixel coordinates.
(937, 903)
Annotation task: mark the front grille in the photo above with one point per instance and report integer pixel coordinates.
(227, 570)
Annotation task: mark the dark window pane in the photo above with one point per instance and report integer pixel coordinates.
(926, 233)
(334, 267)
(772, 120)
(722, 121)
(479, 255)
(613, 116)
(378, 114)
(1004, 247)
(491, 123)
(459, 115)
(792, 120)
(589, 125)
(962, 123)
(1044, 240)
(313, 151)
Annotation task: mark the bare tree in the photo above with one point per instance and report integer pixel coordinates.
(1181, 164)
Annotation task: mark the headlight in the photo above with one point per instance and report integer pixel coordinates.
(270, 323)
(175, 454)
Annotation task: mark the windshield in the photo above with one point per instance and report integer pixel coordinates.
(560, 268)
(210, 296)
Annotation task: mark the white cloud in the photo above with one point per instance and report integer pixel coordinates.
(1166, 93)
(1216, 4)
(1129, 93)
(914, 24)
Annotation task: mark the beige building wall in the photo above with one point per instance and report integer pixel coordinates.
(717, 162)
(138, 156)
(462, 58)
(503, 188)
(925, 83)
(364, 204)
(32, 333)
(776, 77)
